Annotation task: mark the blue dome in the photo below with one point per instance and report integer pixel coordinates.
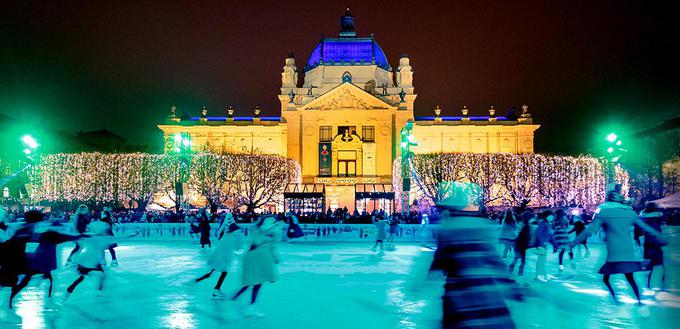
(347, 51)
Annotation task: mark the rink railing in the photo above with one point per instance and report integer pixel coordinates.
(313, 232)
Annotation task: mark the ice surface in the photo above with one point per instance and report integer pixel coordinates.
(324, 285)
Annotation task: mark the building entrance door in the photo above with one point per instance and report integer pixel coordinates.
(347, 168)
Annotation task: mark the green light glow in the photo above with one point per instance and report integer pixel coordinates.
(29, 141)
(610, 150)
(612, 137)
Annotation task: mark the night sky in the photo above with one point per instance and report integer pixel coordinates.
(580, 66)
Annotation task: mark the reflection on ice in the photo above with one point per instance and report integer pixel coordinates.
(178, 317)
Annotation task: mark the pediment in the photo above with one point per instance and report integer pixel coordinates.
(347, 96)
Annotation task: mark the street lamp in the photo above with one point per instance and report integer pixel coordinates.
(407, 140)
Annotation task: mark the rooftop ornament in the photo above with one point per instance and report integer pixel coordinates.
(257, 111)
(437, 113)
(230, 112)
(526, 116)
(291, 94)
(492, 113)
(402, 95)
(173, 114)
(204, 113)
(465, 113)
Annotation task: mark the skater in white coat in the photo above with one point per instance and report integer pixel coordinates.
(259, 262)
(230, 241)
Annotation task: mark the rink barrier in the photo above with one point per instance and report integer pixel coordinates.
(313, 232)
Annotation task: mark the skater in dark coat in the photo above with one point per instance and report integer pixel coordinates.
(653, 253)
(477, 284)
(294, 229)
(39, 251)
(204, 228)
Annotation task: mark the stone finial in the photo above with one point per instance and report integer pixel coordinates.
(525, 111)
(437, 111)
(525, 117)
(492, 111)
(204, 113)
(230, 111)
(257, 111)
(402, 96)
(291, 95)
(173, 114)
(464, 110)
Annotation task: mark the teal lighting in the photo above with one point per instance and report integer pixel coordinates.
(612, 137)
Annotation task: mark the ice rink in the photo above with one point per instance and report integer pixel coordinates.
(325, 285)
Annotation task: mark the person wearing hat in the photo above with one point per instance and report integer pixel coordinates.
(259, 262)
(653, 253)
(617, 220)
(221, 258)
(477, 283)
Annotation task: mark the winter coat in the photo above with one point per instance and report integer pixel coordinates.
(259, 262)
(466, 253)
(561, 235)
(579, 227)
(223, 254)
(653, 219)
(380, 229)
(523, 239)
(204, 227)
(543, 235)
(617, 221)
(508, 232)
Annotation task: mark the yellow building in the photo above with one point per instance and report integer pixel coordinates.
(343, 123)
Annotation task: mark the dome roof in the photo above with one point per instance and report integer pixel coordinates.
(347, 51)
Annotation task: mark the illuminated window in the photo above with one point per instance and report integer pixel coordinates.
(5, 192)
(368, 133)
(325, 133)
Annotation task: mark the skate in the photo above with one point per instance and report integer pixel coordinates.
(252, 312)
(540, 278)
(561, 268)
(373, 249)
(218, 294)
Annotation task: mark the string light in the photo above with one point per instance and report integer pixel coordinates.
(509, 179)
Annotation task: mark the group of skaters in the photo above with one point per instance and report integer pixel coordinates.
(29, 249)
(466, 251)
(615, 219)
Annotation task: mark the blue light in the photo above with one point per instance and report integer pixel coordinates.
(347, 51)
(236, 118)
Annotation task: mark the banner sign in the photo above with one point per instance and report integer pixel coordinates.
(325, 159)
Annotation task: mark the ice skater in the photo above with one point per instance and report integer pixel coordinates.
(653, 253)
(379, 234)
(294, 230)
(424, 229)
(522, 243)
(477, 285)
(542, 236)
(508, 232)
(94, 243)
(81, 221)
(36, 243)
(221, 258)
(394, 229)
(107, 218)
(259, 262)
(204, 227)
(562, 241)
(579, 227)
(617, 220)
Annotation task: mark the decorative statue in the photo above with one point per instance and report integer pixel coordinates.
(492, 111)
(257, 111)
(230, 112)
(402, 95)
(525, 111)
(204, 111)
(404, 72)
(437, 111)
(465, 110)
(291, 94)
(289, 77)
(173, 111)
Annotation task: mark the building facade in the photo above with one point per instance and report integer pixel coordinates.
(343, 123)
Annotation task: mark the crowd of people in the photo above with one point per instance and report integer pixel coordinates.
(470, 261)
